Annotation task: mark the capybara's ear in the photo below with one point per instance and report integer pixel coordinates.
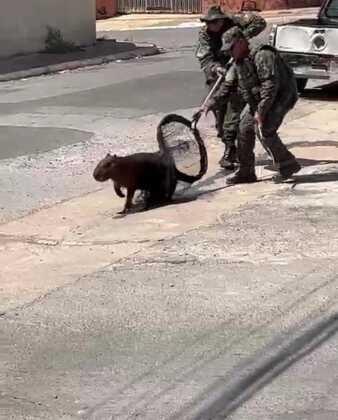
(114, 156)
(108, 155)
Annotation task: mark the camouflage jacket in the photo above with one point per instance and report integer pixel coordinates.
(208, 50)
(263, 79)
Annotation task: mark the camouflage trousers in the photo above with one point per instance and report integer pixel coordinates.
(228, 118)
(232, 111)
(269, 138)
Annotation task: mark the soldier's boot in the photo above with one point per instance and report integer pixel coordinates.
(242, 176)
(246, 144)
(229, 157)
(284, 160)
(286, 171)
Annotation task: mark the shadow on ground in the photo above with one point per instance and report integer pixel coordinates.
(318, 143)
(187, 193)
(314, 178)
(259, 371)
(327, 92)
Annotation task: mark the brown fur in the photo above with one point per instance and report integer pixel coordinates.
(153, 173)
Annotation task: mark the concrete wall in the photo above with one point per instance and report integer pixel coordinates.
(106, 8)
(23, 23)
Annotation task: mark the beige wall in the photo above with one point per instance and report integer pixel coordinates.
(23, 23)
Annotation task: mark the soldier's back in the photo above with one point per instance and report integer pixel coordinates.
(270, 65)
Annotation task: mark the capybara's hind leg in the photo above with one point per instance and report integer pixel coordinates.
(129, 201)
(155, 198)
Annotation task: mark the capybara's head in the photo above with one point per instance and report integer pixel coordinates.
(103, 170)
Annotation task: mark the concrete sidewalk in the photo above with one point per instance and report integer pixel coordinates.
(104, 51)
(163, 21)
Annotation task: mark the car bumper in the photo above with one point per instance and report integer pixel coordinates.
(313, 66)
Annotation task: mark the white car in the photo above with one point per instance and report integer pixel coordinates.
(310, 46)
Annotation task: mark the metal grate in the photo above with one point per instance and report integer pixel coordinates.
(169, 6)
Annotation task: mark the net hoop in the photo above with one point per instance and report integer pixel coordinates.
(164, 147)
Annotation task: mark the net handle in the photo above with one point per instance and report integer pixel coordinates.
(198, 114)
(212, 91)
(196, 117)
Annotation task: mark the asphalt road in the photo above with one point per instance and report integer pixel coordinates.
(169, 39)
(120, 89)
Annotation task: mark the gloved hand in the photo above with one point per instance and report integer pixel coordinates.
(221, 71)
(197, 115)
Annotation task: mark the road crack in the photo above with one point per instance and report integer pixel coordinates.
(49, 242)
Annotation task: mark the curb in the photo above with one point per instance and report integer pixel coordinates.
(288, 12)
(139, 51)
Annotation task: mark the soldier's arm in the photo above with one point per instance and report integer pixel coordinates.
(221, 96)
(265, 62)
(251, 23)
(205, 56)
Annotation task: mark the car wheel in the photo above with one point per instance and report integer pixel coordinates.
(301, 85)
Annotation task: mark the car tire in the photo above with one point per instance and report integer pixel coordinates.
(301, 85)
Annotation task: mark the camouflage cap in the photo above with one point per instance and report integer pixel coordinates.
(230, 37)
(214, 13)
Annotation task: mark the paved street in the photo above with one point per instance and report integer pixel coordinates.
(222, 305)
(170, 39)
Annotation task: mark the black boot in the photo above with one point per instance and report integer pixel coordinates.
(286, 172)
(229, 158)
(242, 177)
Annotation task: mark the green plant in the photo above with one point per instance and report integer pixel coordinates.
(54, 42)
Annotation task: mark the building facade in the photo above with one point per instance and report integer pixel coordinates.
(23, 24)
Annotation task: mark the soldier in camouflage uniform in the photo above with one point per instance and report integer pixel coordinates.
(213, 61)
(268, 86)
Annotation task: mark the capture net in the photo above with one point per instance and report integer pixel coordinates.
(177, 135)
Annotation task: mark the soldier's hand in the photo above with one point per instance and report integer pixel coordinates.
(221, 71)
(197, 115)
